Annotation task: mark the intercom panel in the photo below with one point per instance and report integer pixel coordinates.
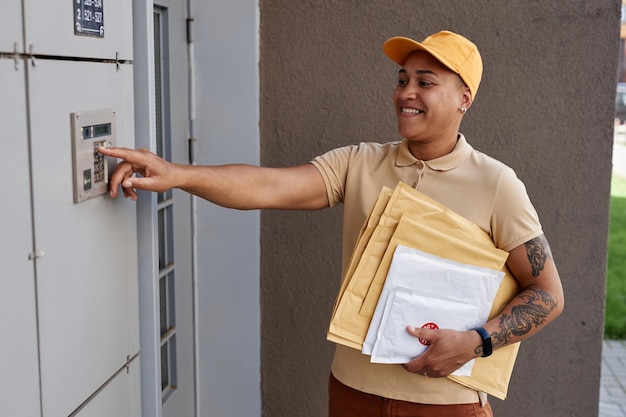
(90, 130)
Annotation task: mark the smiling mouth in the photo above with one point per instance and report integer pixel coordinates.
(408, 110)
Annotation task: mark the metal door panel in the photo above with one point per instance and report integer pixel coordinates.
(87, 280)
(50, 30)
(11, 26)
(19, 378)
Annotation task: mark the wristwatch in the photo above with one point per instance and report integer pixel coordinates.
(487, 348)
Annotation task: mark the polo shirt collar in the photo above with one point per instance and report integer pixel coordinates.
(444, 163)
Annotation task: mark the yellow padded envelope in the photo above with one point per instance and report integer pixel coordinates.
(412, 219)
(338, 334)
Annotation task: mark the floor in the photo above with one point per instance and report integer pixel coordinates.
(613, 379)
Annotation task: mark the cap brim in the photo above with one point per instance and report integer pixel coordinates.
(398, 49)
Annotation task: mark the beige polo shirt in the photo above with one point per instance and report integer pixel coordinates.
(469, 182)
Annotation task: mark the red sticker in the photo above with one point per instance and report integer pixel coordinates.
(428, 326)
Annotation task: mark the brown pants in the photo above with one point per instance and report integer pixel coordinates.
(347, 402)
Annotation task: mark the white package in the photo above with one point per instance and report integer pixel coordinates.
(423, 289)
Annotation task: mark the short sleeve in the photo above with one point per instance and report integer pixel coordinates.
(333, 165)
(514, 219)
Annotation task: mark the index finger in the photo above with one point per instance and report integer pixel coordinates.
(121, 153)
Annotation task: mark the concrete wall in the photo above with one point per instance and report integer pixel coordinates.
(545, 107)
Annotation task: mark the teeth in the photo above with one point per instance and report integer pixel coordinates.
(412, 111)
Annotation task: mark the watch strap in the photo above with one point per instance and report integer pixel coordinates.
(487, 347)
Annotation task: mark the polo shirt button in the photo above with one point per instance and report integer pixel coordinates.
(414, 185)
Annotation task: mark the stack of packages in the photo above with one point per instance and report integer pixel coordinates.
(418, 263)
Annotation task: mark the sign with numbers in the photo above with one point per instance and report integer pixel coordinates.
(89, 18)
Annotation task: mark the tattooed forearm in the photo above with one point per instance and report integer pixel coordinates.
(538, 252)
(537, 306)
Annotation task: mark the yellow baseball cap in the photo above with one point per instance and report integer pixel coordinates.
(454, 51)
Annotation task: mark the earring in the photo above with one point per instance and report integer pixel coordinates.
(463, 110)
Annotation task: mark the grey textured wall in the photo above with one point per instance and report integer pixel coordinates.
(545, 108)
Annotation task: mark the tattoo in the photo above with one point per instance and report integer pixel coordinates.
(533, 313)
(538, 252)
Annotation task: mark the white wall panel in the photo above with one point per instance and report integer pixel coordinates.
(19, 383)
(87, 280)
(10, 25)
(120, 398)
(50, 30)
